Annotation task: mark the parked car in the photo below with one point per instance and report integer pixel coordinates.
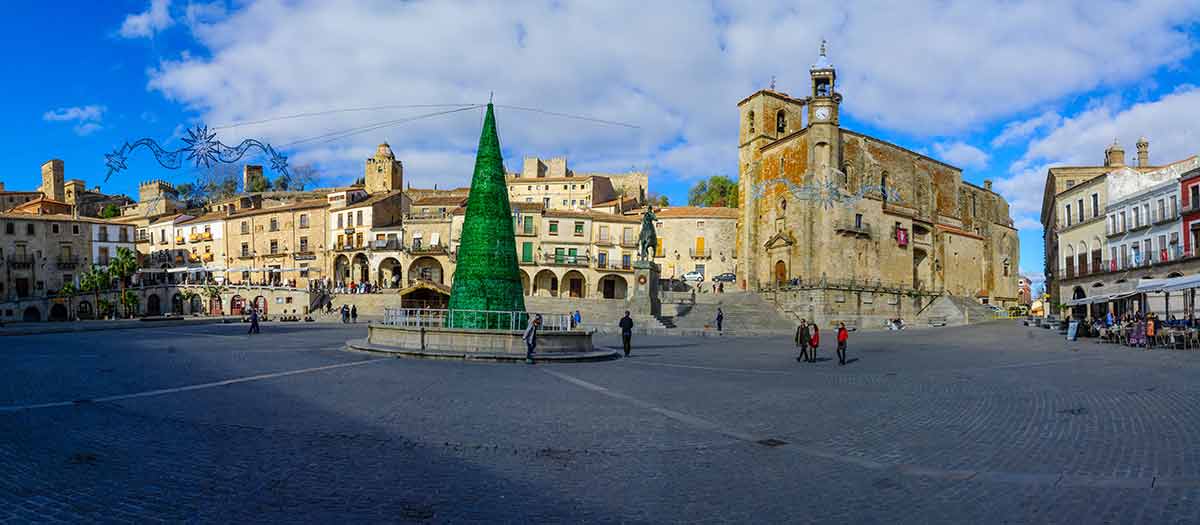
(693, 276)
(726, 277)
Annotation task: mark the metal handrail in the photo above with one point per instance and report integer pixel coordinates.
(492, 319)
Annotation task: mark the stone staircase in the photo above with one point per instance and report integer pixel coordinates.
(746, 313)
(952, 310)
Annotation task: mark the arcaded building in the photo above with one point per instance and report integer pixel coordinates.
(827, 208)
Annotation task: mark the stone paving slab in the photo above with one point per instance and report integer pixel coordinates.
(995, 423)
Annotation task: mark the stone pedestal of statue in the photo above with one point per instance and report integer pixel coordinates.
(644, 297)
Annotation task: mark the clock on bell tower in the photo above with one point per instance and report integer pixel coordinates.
(823, 107)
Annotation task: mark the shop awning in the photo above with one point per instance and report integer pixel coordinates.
(1174, 284)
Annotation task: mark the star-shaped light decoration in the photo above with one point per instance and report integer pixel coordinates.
(278, 162)
(115, 161)
(202, 146)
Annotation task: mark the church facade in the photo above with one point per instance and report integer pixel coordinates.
(836, 213)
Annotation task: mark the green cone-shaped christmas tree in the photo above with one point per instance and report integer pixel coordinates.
(487, 276)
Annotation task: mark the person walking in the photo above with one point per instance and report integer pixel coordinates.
(815, 341)
(720, 318)
(626, 325)
(842, 336)
(802, 338)
(530, 337)
(253, 321)
(576, 318)
(345, 314)
(354, 313)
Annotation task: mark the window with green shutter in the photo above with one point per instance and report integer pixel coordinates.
(527, 252)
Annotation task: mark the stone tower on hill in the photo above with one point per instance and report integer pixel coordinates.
(487, 276)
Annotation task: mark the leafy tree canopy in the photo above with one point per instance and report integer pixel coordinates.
(718, 190)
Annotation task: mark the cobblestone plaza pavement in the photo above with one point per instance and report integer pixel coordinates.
(990, 424)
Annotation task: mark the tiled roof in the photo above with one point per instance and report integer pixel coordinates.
(698, 212)
(373, 199)
(439, 201)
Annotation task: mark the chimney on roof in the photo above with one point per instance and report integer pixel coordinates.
(1143, 152)
(987, 184)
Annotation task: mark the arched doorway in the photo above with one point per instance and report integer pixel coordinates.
(214, 306)
(575, 284)
(920, 269)
(390, 275)
(425, 269)
(525, 283)
(58, 312)
(31, 314)
(545, 284)
(153, 305)
(236, 305)
(177, 304)
(341, 268)
(362, 271)
(1079, 311)
(612, 287)
(260, 304)
(196, 306)
(780, 272)
(84, 310)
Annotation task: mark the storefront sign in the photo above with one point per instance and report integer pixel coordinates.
(305, 257)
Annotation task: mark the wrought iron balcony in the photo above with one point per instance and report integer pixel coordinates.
(67, 262)
(556, 259)
(856, 228)
(435, 249)
(20, 261)
(526, 231)
(386, 245)
(700, 254)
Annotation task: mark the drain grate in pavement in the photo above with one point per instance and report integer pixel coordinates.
(771, 442)
(1074, 411)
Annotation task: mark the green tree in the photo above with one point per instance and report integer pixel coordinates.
(718, 190)
(187, 294)
(123, 266)
(95, 280)
(213, 291)
(129, 301)
(257, 184)
(109, 211)
(69, 291)
(658, 201)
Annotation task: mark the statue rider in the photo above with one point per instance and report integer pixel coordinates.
(647, 239)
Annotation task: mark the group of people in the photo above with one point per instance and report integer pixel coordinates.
(808, 339)
(352, 287)
(1145, 326)
(349, 312)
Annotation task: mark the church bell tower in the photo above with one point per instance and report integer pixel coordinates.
(824, 134)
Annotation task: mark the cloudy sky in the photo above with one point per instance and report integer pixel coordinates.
(1001, 89)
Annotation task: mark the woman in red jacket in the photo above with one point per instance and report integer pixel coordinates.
(814, 341)
(842, 335)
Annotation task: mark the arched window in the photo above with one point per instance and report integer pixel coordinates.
(751, 121)
(780, 122)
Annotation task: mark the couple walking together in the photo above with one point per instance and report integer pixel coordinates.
(808, 339)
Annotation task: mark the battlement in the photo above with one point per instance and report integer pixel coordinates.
(156, 183)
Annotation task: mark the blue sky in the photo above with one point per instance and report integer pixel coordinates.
(1003, 90)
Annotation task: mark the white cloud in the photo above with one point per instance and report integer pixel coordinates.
(676, 73)
(86, 118)
(962, 155)
(1021, 130)
(148, 23)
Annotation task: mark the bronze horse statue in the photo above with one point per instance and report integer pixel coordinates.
(648, 238)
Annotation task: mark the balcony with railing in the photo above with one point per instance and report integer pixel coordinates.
(201, 236)
(526, 230)
(613, 266)
(179, 240)
(704, 253)
(603, 240)
(1165, 218)
(434, 249)
(563, 259)
(1111, 231)
(384, 245)
(1132, 262)
(629, 242)
(67, 262)
(20, 261)
(853, 227)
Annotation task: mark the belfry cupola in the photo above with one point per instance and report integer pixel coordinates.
(825, 98)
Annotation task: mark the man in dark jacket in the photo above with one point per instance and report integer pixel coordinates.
(626, 325)
(720, 318)
(253, 321)
(802, 339)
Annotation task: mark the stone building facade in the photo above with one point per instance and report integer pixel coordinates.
(823, 204)
(277, 244)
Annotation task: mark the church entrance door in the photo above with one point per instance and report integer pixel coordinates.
(780, 272)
